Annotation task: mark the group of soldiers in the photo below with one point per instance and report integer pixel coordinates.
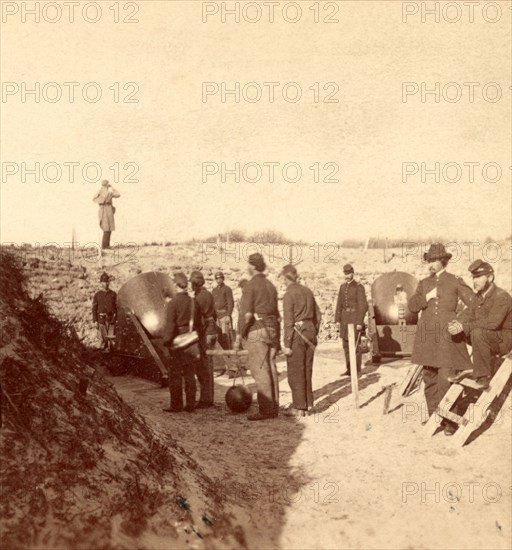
(439, 345)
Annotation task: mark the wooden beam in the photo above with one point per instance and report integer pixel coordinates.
(224, 352)
(354, 379)
(148, 343)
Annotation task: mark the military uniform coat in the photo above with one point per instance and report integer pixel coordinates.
(351, 306)
(491, 312)
(299, 306)
(106, 210)
(104, 303)
(223, 299)
(259, 297)
(433, 345)
(206, 306)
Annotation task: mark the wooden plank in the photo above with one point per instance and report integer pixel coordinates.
(226, 352)
(457, 419)
(496, 386)
(468, 383)
(387, 399)
(409, 382)
(148, 343)
(354, 379)
(448, 400)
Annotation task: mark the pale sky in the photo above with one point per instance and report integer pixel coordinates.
(171, 132)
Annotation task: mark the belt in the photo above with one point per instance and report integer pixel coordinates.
(105, 204)
(349, 309)
(299, 324)
(263, 316)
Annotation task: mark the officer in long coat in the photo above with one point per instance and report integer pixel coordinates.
(104, 312)
(106, 211)
(351, 307)
(439, 352)
(301, 323)
(259, 317)
(487, 324)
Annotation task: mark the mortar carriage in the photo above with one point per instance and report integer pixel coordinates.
(392, 326)
(141, 319)
(142, 323)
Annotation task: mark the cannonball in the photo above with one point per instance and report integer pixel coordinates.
(238, 398)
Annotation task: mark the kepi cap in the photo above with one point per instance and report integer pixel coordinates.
(479, 267)
(347, 268)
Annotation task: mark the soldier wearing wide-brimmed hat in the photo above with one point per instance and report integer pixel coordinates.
(439, 352)
(104, 312)
(488, 324)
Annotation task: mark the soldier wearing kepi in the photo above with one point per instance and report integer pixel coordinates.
(224, 304)
(181, 364)
(104, 312)
(487, 324)
(207, 331)
(351, 308)
(434, 348)
(302, 318)
(259, 317)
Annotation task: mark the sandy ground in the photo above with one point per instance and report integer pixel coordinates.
(345, 477)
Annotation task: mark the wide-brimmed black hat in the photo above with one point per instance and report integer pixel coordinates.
(437, 251)
(104, 278)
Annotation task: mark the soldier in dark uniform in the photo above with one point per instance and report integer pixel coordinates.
(436, 297)
(104, 312)
(260, 319)
(302, 318)
(207, 337)
(182, 365)
(224, 304)
(351, 308)
(487, 324)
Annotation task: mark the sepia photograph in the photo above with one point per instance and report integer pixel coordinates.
(256, 275)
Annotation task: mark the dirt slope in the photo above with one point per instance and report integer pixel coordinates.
(83, 470)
